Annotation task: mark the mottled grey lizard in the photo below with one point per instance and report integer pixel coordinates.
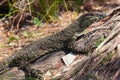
(51, 43)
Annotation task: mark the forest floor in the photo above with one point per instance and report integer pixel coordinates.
(11, 41)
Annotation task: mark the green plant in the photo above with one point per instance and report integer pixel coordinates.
(102, 38)
(11, 38)
(97, 43)
(107, 58)
(10, 41)
(42, 9)
(37, 22)
(26, 34)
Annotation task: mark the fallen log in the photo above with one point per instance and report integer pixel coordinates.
(50, 63)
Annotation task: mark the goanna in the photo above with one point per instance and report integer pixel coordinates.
(51, 43)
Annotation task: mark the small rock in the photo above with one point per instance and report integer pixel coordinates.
(68, 59)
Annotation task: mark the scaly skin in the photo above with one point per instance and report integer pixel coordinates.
(51, 43)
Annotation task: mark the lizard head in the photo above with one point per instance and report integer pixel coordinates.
(87, 19)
